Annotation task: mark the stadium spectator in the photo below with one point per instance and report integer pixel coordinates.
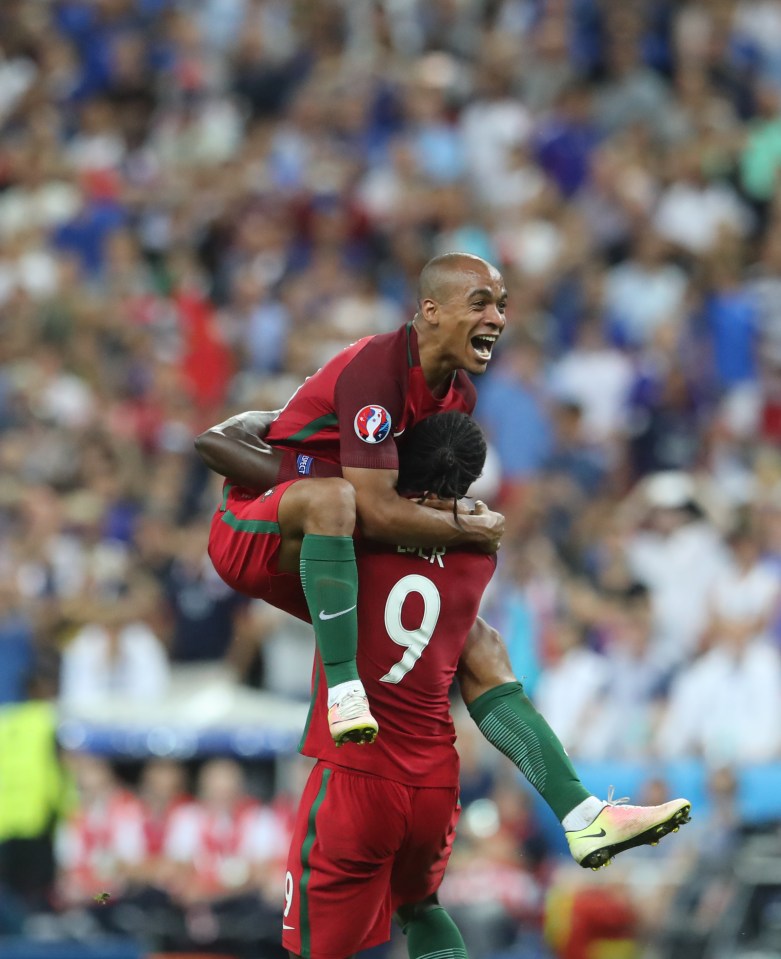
(522, 440)
(161, 791)
(669, 530)
(34, 795)
(489, 888)
(739, 663)
(622, 721)
(204, 614)
(225, 855)
(16, 644)
(566, 138)
(102, 839)
(115, 653)
(225, 842)
(695, 210)
(644, 292)
(569, 691)
(597, 377)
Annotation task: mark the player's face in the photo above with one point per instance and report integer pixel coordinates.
(471, 319)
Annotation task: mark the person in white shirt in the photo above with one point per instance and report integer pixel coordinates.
(622, 722)
(569, 692)
(746, 593)
(678, 553)
(597, 377)
(726, 706)
(225, 842)
(101, 840)
(645, 292)
(115, 655)
(693, 212)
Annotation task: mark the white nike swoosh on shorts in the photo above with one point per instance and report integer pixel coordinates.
(324, 615)
(287, 927)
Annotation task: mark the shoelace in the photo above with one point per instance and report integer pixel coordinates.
(615, 802)
(353, 705)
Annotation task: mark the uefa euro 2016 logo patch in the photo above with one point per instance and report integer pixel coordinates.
(373, 424)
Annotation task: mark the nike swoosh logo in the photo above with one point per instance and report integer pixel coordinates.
(595, 835)
(400, 432)
(287, 927)
(341, 612)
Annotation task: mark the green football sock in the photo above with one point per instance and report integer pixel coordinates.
(509, 721)
(432, 934)
(330, 580)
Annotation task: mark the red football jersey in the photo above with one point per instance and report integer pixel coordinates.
(415, 609)
(353, 409)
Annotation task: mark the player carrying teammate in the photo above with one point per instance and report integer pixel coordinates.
(376, 826)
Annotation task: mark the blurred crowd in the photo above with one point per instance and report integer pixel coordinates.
(175, 860)
(203, 200)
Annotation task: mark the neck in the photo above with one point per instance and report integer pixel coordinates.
(436, 371)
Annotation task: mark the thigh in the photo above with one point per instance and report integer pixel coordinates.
(245, 543)
(422, 859)
(337, 887)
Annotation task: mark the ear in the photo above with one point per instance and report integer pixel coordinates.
(428, 311)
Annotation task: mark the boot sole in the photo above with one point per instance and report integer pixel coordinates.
(601, 857)
(360, 735)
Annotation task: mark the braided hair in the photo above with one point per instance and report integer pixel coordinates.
(442, 454)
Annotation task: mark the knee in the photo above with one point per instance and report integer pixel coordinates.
(414, 910)
(331, 507)
(337, 497)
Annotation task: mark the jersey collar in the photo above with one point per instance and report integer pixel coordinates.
(413, 354)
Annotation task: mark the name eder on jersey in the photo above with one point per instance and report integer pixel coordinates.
(432, 554)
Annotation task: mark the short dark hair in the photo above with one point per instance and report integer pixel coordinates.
(442, 454)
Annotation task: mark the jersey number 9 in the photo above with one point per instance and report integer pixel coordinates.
(414, 641)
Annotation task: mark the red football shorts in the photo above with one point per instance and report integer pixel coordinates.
(362, 846)
(244, 544)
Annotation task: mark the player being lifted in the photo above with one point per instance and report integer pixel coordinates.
(256, 541)
(350, 415)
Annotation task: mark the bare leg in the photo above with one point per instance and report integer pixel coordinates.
(323, 507)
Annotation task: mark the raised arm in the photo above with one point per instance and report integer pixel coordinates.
(385, 516)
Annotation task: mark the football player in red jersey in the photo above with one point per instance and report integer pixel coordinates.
(349, 416)
(377, 825)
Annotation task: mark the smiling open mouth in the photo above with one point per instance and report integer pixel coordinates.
(483, 345)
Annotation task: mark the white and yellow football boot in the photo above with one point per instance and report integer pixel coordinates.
(619, 826)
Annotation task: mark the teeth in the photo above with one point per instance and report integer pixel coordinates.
(483, 345)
